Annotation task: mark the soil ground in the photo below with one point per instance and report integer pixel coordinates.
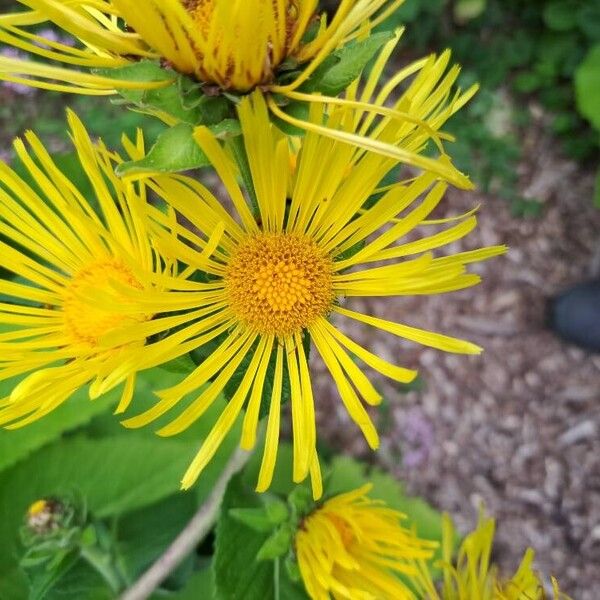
(516, 428)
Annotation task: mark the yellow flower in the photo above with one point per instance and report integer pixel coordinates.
(354, 547)
(235, 44)
(279, 271)
(81, 277)
(473, 577)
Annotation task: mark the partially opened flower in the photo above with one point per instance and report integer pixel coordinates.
(234, 44)
(80, 275)
(227, 45)
(354, 547)
(277, 272)
(473, 575)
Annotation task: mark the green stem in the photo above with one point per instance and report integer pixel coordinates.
(276, 580)
(101, 562)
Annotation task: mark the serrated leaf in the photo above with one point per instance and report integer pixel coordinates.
(237, 574)
(336, 75)
(255, 518)
(587, 87)
(77, 411)
(143, 535)
(199, 586)
(175, 150)
(277, 544)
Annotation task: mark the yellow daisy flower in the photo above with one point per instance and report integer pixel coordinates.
(279, 271)
(473, 576)
(80, 276)
(354, 547)
(235, 44)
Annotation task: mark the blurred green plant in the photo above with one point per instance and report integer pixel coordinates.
(587, 79)
(533, 49)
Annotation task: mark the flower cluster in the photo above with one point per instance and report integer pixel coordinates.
(354, 547)
(331, 193)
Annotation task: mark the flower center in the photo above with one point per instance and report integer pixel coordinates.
(87, 315)
(279, 283)
(242, 62)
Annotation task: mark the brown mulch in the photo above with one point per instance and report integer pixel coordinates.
(518, 427)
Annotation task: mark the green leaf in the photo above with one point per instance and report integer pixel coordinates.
(561, 15)
(336, 75)
(116, 471)
(227, 128)
(588, 19)
(587, 87)
(143, 535)
(277, 545)
(13, 584)
(277, 511)
(77, 411)
(170, 98)
(175, 150)
(199, 586)
(183, 99)
(298, 110)
(112, 474)
(182, 364)
(467, 10)
(79, 581)
(142, 71)
(237, 574)
(255, 518)
(282, 480)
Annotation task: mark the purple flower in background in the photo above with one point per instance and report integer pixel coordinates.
(17, 88)
(9, 52)
(53, 36)
(418, 437)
